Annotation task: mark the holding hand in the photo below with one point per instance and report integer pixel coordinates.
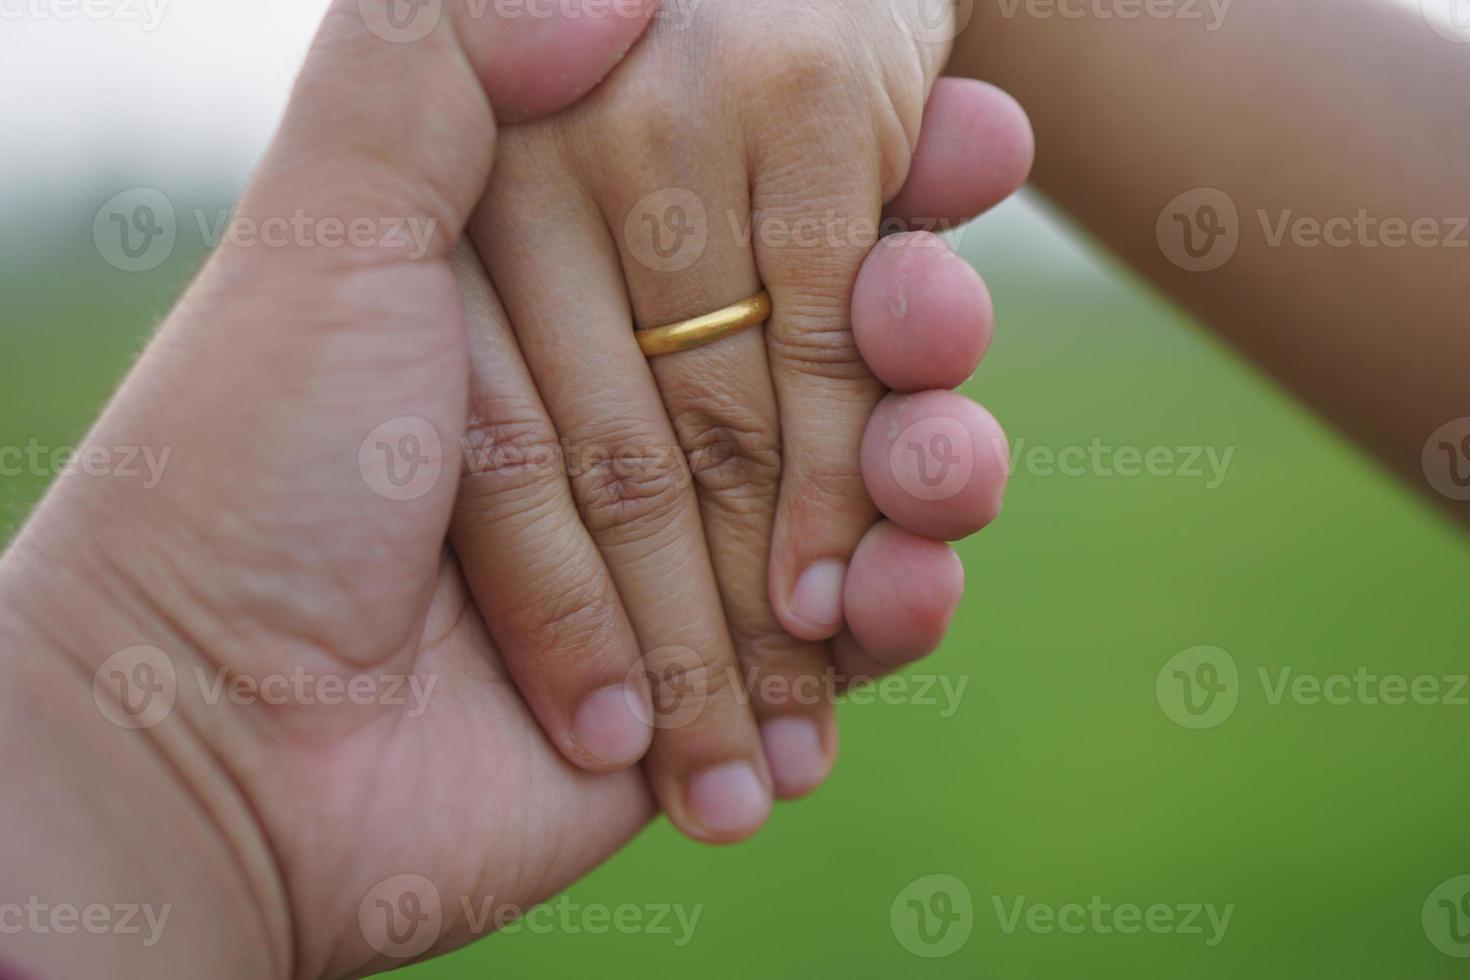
(751, 148)
(274, 547)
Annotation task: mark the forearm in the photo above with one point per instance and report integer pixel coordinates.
(115, 860)
(1313, 109)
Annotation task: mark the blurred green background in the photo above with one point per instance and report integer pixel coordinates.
(1057, 776)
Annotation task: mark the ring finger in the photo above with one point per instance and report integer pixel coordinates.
(683, 226)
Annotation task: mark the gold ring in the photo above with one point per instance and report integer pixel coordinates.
(689, 334)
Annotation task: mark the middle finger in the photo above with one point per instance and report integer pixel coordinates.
(549, 253)
(680, 213)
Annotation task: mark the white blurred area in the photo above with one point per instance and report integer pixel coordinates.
(182, 95)
(172, 88)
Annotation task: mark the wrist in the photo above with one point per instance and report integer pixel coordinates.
(129, 852)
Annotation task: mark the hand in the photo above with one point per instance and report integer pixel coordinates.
(277, 545)
(753, 146)
(273, 548)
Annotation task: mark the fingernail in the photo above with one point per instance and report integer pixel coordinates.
(817, 598)
(794, 752)
(608, 728)
(728, 800)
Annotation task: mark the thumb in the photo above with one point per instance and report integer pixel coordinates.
(396, 106)
(309, 391)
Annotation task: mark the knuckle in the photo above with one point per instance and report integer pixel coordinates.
(822, 346)
(803, 60)
(685, 688)
(715, 679)
(630, 486)
(778, 670)
(764, 645)
(732, 454)
(577, 623)
(699, 680)
(639, 110)
(508, 456)
(831, 488)
(650, 117)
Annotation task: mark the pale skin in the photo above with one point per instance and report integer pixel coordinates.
(265, 827)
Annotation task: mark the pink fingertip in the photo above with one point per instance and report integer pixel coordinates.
(902, 593)
(794, 753)
(921, 316)
(816, 600)
(935, 463)
(976, 148)
(728, 801)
